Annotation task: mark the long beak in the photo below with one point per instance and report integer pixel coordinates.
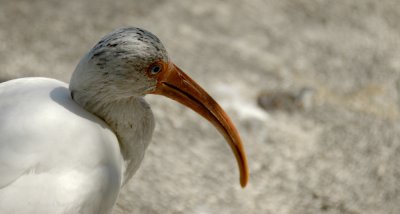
(175, 84)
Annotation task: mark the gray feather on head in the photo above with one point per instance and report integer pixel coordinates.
(115, 68)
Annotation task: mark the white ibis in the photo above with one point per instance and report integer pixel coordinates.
(69, 149)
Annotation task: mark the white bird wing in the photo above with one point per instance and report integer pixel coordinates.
(54, 152)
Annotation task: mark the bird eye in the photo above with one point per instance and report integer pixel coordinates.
(155, 69)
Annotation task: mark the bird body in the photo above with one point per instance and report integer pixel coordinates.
(70, 148)
(47, 138)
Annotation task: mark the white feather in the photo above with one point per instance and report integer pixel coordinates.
(55, 157)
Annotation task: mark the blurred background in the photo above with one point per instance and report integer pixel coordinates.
(312, 85)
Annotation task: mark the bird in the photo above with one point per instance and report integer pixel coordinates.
(70, 148)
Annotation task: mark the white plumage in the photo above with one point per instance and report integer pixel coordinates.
(55, 156)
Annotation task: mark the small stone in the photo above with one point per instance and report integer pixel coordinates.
(286, 100)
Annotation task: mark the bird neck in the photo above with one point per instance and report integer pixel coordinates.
(132, 121)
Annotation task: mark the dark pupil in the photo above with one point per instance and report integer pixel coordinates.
(155, 69)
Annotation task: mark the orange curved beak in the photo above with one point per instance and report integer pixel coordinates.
(175, 84)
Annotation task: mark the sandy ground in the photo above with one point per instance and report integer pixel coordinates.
(338, 154)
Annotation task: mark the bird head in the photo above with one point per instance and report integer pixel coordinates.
(132, 62)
